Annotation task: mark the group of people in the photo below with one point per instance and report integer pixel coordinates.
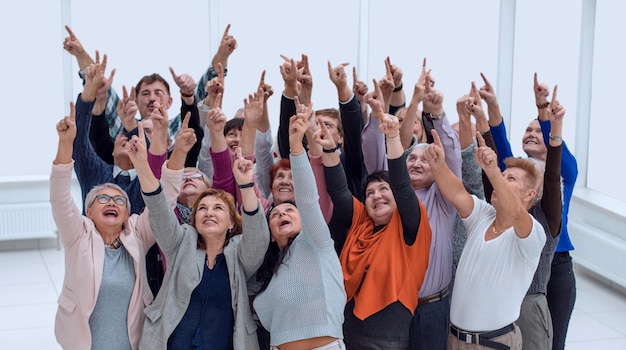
(380, 226)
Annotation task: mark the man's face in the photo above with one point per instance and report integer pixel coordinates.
(148, 95)
(332, 126)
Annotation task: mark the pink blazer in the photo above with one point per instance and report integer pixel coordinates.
(84, 262)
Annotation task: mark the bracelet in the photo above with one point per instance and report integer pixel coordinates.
(186, 95)
(398, 88)
(543, 105)
(248, 185)
(330, 150)
(556, 138)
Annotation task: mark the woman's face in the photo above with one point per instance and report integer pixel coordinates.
(212, 217)
(107, 209)
(284, 223)
(380, 202)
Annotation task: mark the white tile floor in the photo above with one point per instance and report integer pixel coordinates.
(30, 280)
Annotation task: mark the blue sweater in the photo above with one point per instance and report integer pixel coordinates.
(90, 169)
(569, 173)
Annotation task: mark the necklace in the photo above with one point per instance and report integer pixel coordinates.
(116, 244)
(496, 232)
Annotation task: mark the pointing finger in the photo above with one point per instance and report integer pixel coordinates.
(480, 140)
(186, 120)
(225, 35)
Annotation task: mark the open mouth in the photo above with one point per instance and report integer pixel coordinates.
(110, 213)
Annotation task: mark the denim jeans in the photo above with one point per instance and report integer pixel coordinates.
(561, 297)
(430, 326)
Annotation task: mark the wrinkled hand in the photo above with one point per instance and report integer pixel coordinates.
(66, 127)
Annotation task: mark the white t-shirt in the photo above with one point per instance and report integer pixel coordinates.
(493, 276)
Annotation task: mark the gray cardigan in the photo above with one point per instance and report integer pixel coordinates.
(185, 265)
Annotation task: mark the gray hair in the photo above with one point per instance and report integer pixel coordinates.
(91, 196)
(540, 165)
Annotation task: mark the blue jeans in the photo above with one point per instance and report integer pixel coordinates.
(561, 297)
(430, 325)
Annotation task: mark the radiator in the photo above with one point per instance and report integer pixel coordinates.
(26, 221)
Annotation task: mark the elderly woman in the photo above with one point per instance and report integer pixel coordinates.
(387, 240)
(203, 302)
(105, 288)
(302, 296)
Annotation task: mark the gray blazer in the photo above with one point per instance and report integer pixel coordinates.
(185, 265)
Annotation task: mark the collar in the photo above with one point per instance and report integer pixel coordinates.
(131, 172)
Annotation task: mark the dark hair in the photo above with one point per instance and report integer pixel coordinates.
(333, 113)
(273, 255)
(377, 176)
(149, 79)
(232, 124)
(232, 209)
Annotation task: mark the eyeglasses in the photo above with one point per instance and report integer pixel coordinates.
(105, 198)
(192, 176)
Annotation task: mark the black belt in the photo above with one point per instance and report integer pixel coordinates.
(483, 338)
(432, 298)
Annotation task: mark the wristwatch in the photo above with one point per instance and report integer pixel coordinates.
(431, 116)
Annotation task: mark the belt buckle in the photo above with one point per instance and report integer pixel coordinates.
(468, 338)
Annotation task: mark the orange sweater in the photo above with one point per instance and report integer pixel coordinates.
(379, 268)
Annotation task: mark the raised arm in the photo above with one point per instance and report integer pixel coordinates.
(187, 87)
(496, 123)
(289, 72)
(449, 184)
(305, 189)
(373, 140)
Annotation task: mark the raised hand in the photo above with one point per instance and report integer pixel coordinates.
(289, 71)
(487, 92)
(186, 137)
(214, 87)
(434, 153)
(375, 101)
(556, 112)
(542, 91)
(323, 137)
(486, 157)
(136, 148)
(305, 79)
(66, 127)
(228, 44)
(338, 74)
(243, 169)
(298, 125)
(396, 73)
(73, 46)
(386, 83)
(94, 78)
(359, 88)
(253, 108)
(475, 105)
(185, 83)
(216, 120)
(267, 89)
(127, 108)
(433, 99)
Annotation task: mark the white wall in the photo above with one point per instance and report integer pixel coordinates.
(507, 40)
